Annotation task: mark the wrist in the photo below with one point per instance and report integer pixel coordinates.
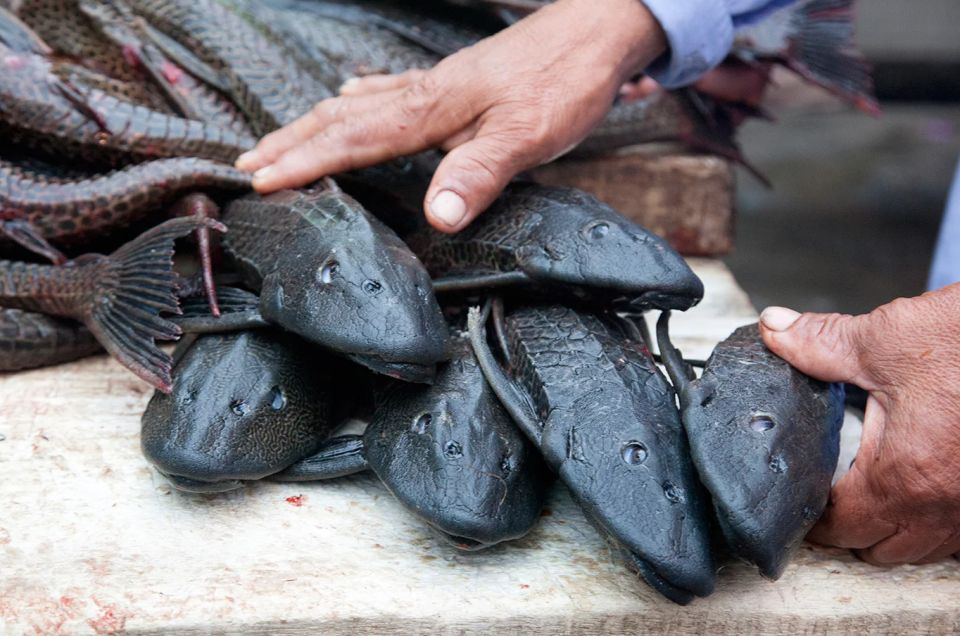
(624, 32)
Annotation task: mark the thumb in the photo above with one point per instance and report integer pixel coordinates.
(827, 347)
(468, 180)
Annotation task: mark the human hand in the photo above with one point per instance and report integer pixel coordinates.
(510, 102)
(900, 502)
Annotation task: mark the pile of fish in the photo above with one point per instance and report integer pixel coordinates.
(467, 372)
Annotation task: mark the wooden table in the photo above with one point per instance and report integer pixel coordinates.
(93, 540)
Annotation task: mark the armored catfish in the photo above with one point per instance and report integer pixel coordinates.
(764, 439)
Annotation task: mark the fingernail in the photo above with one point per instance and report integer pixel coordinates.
(350, 83)
(449, 207)
(778, 318)
(247, 158)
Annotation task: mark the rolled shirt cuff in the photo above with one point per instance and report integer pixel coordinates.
(699, 35)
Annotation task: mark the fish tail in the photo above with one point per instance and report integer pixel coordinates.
(822, 50)
(133, 286)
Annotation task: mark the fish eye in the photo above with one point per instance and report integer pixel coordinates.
(634, 453)
(328, 271)
(372, 287)
(239, 407)
(453, 450)
(422, 423)
(277, 399)
(596, 230)
(761, 423)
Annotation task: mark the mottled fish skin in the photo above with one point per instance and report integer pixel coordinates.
(765, 440)
(244, 405)
(452, 455)
(271, 86)
(31, 340)
(564, 242)
(33, 112)
(609, 426)
(329, 271)
(72, 211)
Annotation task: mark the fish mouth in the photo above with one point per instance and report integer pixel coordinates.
(463, 544)
(672, 590)
(663, 300)
(197, 486)
(406, 371)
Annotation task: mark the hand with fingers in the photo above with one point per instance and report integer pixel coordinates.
(512, 101)
(900, 502)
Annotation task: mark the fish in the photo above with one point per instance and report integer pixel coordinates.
(562, 242)
(606, 421)
(30, 340)
(764, 439)
(73, 211)
(244, 405)
(448, 452)
(39, 110)
(270, 83)
(119, 297)
(327, 270)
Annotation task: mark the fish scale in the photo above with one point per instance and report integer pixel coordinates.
(29, 340)
(71, 211)
(37, 115)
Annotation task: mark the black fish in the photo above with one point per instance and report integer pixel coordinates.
(764, 439)
(244, 405)
(449, 452)
(561, 241)
(606, 421)
(329, 271)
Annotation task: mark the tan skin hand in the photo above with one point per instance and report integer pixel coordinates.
(510, 102)
(900, 502)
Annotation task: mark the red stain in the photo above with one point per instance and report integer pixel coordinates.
(296, 501)
(171, 72)
(524, 586)
(108, 622)
(68, 601)
(132, 55)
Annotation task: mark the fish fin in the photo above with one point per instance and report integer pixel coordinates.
(27, 236)
(133, 286)
(498, 316)
(824, 52)
(338, 457)
(200, 205)
(19, 37)
(513, 398)
(239, 311)
(72, 94)
(187, 60)
(478, 281)
(681, 373)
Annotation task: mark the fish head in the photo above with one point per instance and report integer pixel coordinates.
(367, 298)
(244, 405)
(765, 441)
(586, 244)
(451, 454)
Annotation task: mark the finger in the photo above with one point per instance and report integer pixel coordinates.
(323, 114)
(907, 546)
(633, 91)
(468, 179)
(378, 83)
(460, 138)
(946, 549)
(399, 127)
(851, 518)
(825, 346)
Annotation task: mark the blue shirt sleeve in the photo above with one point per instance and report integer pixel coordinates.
(700, 34)
(946, 262)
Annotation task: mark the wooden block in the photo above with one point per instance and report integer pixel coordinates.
(686, 198)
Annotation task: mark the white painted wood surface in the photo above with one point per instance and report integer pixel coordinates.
(92, 540)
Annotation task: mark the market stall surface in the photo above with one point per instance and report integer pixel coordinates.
(93, 540)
